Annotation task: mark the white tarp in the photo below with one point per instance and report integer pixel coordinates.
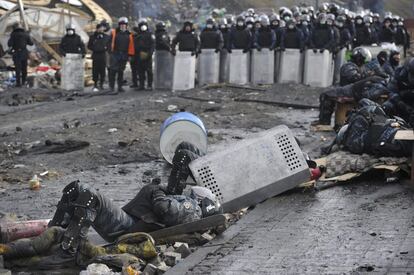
(73, 2)
(239, 67)
(263, 65)
(184, 71)
(291, 66)
(6, 5)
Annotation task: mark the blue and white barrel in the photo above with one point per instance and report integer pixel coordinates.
(181, 127)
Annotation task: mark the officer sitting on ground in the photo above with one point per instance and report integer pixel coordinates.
(355, 70)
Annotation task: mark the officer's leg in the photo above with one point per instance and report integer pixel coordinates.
(102, 72)
(24, 70)
(326, 106)
(180, 171)
(141, 73)
(134, 72)
(65, 208)
(121, 69)
(150, 73)
(18, 68)
(113, 69)
(95, 71)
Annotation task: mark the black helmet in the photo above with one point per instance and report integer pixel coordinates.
(211, 21)
(361, 55)
(160, 26)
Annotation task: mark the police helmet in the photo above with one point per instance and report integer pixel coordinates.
(143, 21)
(222, 22)
(322, 18)
(330, 16)
(282, 10)
(210, 21)
(376, 15)
(251, 11)
(207, 201)
(160, 26)
(123, 20)
(264, 20)
(368, 19)
(249, 20)
(361, 54)
(70, 26)
(274, 17)
(295, 9)
(230, 19)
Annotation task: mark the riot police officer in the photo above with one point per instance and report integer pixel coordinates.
(98, 44)
(391, 65)
(72, 42)
(122, 47)
(225, 32)
(323, 37)
(162, 39)
(186, 39)
(402, 38)
(240, 37)
(275, 26)
(344, 33)
(387, 34)
(210, 37)
(144, 42)
(292, 38)
(18, 42)
(265, 37)
(354, 70)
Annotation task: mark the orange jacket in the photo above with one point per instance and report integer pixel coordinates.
(131, 47)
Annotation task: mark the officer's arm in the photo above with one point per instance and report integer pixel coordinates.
(62, 46)
(152, 43)
(90, 42)
(220, 40)
(256, 40)
(82, 46)
(273, 39)
(175, 41)
(159, 202)
(11, 41)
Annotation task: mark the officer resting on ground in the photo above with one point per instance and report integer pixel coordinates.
(354, 70)
(154, 207)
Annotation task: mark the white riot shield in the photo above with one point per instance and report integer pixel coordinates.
(374, 50)
(164, 70)
(263, 65)
(208, 67)
(252, 170)
(184, 71)
(291, 66)
(73, 72)
(239, 67)
(318, 69)
(339, 61)
(224, 66)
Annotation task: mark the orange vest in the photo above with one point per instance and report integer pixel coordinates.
(131, 47)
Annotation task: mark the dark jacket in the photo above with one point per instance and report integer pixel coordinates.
(345, 37)
(401, 37)
(293, 39)
(226, 37)
(72, 44)
(241, 38)
(363, 36)
(122, 43)
(306, 31)
(211, 39)
(351, 73)
(265, 38)
(187, 41)
(99, 43)
(162, 40)
(19, 39)
(386, 35)
(323, 38)
(144, 42)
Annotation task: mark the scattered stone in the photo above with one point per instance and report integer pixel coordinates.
(373, 234)
(161, 248)
(171, 258)
(97, 269)
(183, 250)
(112, 130)
(5, 271)
(122, 143)
(18, 129)
(161, 269)
(404, 252)
(148, 173)
(207, 237)
(172, 108)
(150, 269)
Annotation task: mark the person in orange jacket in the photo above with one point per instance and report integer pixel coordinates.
(121, 48)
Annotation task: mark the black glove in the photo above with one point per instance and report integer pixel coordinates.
(259, 49)
(64, 54)
(301, 50)
(199, 51)
(246, 50)
(173, 52)
(193, 53)
(229, 50)
(271, 49)
(315, 50)
(321, 50)
(83, 55)
(282, 49)
(217, 50)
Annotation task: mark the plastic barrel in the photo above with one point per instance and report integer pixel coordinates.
(182, 127)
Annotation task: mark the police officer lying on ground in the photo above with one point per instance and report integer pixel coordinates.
(370, 130)
(154, 207)
(355, 70)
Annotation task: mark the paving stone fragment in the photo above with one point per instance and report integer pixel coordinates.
(150, 269)
(171, 258)
(183, 250)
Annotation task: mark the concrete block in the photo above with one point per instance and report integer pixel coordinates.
(183, 250)
(171, 258)
(161, 269)
(150, 269)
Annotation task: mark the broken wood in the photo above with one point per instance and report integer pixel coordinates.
(187, 228)
(277, 103)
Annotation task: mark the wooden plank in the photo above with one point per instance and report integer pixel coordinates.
(404, 135)
(51, 51)
(201, 225)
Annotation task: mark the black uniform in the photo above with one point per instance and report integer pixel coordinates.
(363, 35)
(226, 37)
(323, 38)
(72, 44)
(372, 88)
(265, 37)
(120, 51)
(292, 39)
(402, 38)
(241, 39)
(187, 40)
(19, 39)
(211, 39)
(345, 38)
(371, 131)
(351, 73)
(386, 35)
(144, 43)
(162, 40)
(99, 44)
(279, 31)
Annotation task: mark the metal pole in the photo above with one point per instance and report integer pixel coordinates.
(22, 18)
